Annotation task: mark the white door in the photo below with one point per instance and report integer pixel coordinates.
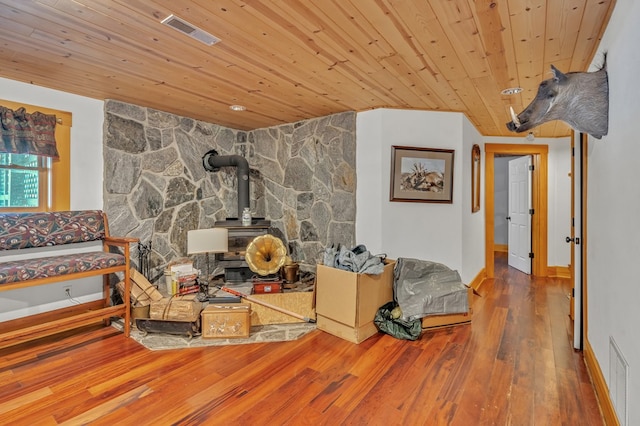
(519, 213)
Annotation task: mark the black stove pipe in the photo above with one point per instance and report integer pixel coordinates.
(212, 163)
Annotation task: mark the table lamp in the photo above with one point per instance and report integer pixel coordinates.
(213, 240)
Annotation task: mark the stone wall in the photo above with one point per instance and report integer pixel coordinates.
(302, 178)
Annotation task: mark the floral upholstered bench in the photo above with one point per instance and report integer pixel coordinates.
(33, 235)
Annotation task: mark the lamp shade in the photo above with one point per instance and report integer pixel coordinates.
(213, 240)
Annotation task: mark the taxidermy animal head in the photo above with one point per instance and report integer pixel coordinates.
(580, 99)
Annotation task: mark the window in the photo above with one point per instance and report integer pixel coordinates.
(24, 181)
(34, 183)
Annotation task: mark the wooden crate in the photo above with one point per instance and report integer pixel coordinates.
(177, 308)
(143, 293)
(299, 302)
(226, 320)
(436, 321)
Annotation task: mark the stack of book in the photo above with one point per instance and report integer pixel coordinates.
(182, 277)
(187, 283)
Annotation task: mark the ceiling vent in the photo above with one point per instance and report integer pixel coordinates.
(190, 30)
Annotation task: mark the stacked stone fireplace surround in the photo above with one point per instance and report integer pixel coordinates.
(302, 179)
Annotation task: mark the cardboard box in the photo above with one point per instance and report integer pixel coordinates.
(435, 321)
(226, 320)
(347, 302)
(298, 302)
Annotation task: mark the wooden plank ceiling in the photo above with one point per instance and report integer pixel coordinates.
(291, 60)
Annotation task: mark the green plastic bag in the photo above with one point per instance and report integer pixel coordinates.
(398, 328)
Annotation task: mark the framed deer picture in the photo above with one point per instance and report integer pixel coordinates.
(423, 175)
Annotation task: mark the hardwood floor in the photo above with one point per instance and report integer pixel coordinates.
(514, 365)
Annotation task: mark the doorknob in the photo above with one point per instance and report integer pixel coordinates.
(569, 239)
(508, 217)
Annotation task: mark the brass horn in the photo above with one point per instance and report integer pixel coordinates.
(266, 254)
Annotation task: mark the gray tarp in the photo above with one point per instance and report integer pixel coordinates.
(424, 288)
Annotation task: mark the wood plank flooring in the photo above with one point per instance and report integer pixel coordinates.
(514, 365)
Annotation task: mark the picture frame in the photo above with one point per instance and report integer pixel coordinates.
(422, 175)
(475, 178)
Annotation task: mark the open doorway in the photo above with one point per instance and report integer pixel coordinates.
(539, 203)
(520, 213)
(512, 209)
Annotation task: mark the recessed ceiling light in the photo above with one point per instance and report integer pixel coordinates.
(238, 107)
(512, 91)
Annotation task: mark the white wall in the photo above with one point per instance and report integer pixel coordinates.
(372, 179)
(86, 189)
(613, 203)
(473, 238)
(86, 136)
(445, 233)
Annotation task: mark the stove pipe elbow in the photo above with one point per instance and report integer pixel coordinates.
(212, 163)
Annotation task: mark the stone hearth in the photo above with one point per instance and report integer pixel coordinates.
(258, 334)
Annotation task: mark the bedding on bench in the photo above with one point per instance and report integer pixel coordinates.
(26, 241)
(31, 230)
(44, 267)
(28, 230)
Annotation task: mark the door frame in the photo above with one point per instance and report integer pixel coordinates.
(539, 203)
(584, 160)
(580, 141)
(572, 265)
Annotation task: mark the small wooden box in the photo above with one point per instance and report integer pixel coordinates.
(226, 320)
(266, 288)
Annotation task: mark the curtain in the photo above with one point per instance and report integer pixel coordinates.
(25, 133)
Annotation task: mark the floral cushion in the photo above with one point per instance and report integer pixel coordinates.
(28, 230)
(28, 269)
